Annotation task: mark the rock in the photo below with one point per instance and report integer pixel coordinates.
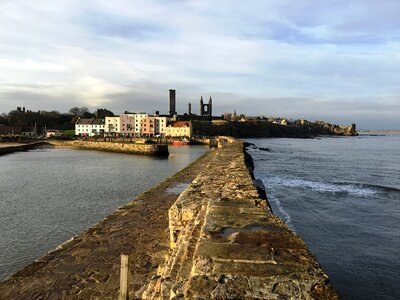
(264, 149)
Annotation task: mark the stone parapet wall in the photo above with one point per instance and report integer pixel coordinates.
(146, 149)
(225, 243)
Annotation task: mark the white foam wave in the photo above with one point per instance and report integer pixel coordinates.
(286, 217)
(322, 187)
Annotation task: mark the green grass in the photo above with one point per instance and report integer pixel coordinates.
(70, 132)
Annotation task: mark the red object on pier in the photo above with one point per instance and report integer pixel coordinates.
(182, 142)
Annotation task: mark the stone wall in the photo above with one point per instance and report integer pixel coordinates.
(146, 149)
(19, 147)
(225, 243)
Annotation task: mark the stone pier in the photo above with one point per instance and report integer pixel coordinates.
(6, 148)
(225, 243)
(121, 147)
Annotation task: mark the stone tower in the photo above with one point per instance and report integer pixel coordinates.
(206, 109)
(210, 106)
(172, 103)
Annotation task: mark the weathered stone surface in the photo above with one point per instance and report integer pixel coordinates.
(146, 149)
(226, 244)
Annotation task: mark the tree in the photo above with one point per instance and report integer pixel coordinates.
(103, 112)
(75, 111)
(79, 111)
(4, 119)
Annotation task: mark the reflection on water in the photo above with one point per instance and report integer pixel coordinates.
(49, 195)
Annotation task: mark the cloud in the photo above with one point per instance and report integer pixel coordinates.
(310, 55)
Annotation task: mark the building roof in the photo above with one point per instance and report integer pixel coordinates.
(84, 121)
(10, 129)
(180, 124)
(98, 122)
(91, 121)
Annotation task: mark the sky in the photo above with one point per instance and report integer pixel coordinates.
(333, 60)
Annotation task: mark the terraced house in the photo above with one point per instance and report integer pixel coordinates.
(89, 127)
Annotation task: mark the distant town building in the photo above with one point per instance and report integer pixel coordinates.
(153, 126)
(89, 127)
(53, 133)
(28, 131)
(138, 122)
(127, 122)
(112, 124)
(280, 121)
(179, 129)
(15, 130)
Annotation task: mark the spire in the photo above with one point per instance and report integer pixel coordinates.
(210, 101)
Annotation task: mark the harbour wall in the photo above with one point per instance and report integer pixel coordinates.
(225, 243)
(132, 148)
(19, 147)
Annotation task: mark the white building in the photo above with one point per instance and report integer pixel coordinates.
(89, 127)
(112, 124)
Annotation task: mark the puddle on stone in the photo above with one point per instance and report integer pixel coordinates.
(177, 189)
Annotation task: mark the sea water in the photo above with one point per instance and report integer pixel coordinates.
(49, 195)
(342, 196)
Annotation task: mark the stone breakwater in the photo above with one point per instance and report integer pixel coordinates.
(132, 148)
(225, 243)
(10, 148)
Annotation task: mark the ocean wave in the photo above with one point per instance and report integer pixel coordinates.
(322, 187)
(286, 217)
(373, 186)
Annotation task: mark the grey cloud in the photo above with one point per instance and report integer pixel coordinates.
(103, 23)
